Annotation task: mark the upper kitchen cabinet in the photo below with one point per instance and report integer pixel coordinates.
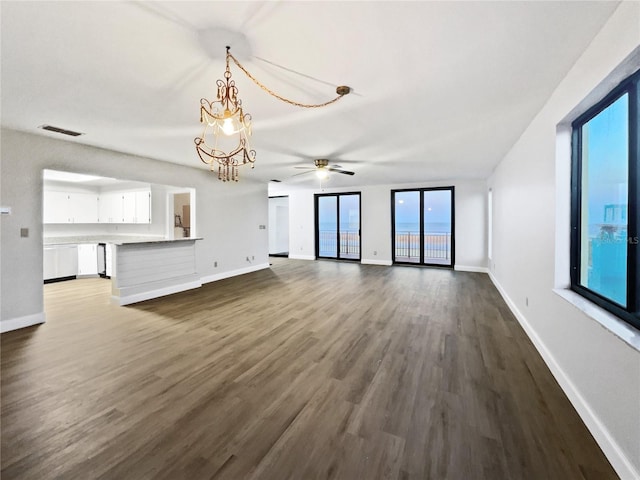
(110, 209)
(83, 207)
(70, 207)
(125, 207)
(136, 207)
(55, 207)
(105, 207)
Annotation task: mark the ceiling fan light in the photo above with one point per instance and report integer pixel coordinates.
(322, 173)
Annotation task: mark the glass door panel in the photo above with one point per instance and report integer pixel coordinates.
(407, 226)
(436, 222)
(327, 226)
(423, 226)
(349, 209)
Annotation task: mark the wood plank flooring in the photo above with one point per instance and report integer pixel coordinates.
(307, 370)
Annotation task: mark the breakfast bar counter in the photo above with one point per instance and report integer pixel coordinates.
(151, 268)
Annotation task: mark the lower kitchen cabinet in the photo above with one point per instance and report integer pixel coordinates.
(60, 261)
(88, 259)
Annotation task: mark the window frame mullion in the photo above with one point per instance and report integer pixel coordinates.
(633, 210)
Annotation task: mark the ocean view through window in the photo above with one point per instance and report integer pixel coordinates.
(604, 210)
(422, 225)
(338, 226)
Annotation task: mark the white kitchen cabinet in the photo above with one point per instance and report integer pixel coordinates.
(60, 261)
(83, 207)
(108, 254)
(136, 207)
(125, 207)
(70, 207)
(88, 259)
(55, 207)
(143, 207)
(129, 207)
(110, 207)
(49, 262)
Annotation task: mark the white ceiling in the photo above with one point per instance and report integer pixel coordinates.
(442, 90)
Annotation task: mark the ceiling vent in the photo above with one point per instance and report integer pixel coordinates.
(63, 131)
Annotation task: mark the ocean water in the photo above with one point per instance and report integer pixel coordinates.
(436, 227)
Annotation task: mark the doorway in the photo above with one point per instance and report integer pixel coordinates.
(279, 226)
(180, 213)
(423, 226)
(337, 228)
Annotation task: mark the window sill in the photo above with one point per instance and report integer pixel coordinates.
(613, 324)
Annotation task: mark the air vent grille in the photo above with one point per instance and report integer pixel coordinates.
(274, 180)
(63, 131)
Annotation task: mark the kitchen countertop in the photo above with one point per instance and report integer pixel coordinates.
(160, 240)
(113, 239)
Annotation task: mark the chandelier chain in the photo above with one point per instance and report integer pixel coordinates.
(272, 93)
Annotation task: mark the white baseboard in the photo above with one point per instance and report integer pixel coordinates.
(22, 322)
(621, 464)
(302, 257)
(370, 261)
(233, 273)
(466, 268)
(159, 292)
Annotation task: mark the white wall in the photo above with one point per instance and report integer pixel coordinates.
(599, 372)
(470, 221)
(230, 234)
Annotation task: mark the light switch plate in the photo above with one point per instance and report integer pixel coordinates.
(24, 232)
(5, 210)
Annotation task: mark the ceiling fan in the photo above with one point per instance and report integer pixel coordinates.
(322, 169)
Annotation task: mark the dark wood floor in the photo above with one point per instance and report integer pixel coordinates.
(308, 370)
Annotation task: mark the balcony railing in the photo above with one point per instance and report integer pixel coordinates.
(349, 243)
(437, 247)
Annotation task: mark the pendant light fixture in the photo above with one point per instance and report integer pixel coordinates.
(228, 127)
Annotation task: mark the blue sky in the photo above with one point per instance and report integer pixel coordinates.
(437, 206)
(607, 141)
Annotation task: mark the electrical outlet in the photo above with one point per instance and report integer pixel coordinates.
(24, 232)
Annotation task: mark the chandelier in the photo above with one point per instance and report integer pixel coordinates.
(228, 127)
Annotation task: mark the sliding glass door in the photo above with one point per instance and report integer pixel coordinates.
(423, 226)
(338, 226)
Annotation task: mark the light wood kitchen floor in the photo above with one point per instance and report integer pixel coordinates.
(307, 370)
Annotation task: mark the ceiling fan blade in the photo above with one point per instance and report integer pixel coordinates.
(303, 173)
(345, 172)
(306, 168)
